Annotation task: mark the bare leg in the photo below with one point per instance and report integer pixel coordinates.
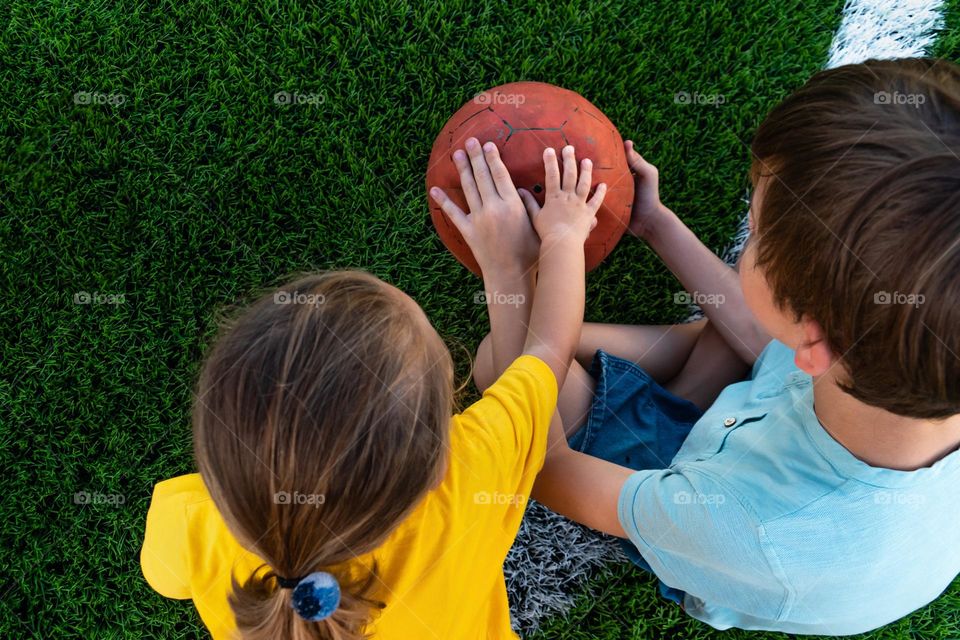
(691, 360)
(710, 367)
(575, 397)
(660, 350)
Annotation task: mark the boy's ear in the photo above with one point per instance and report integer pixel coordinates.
(812, 355)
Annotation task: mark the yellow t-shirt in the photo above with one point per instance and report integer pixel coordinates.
(441, 569)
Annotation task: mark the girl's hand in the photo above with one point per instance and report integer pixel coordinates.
(566, 210)
(497, 228)
(647, 208)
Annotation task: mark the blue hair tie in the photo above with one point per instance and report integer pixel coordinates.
(315, 597)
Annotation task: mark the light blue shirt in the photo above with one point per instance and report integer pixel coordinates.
(767, 522)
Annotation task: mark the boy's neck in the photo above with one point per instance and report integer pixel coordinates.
(880, 438)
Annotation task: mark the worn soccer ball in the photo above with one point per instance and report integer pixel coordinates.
(524, 118)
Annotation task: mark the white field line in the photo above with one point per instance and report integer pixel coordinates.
(885, 29)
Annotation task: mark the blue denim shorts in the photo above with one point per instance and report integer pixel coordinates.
(636, 423)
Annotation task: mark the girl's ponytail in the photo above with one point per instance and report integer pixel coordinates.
(314, 608)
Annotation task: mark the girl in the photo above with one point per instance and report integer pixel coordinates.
(336, 498)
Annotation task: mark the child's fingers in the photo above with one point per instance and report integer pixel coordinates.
(569, 168)
(586, 176)
(593, 223)
(598, 195)
(501, 176)
(467, 183)
(455, 213)
(481, 172)
(552, 178)
(636, 162)
(529, 202)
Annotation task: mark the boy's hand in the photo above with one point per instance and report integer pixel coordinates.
(566, 210)
(647, 208)
(497, 228)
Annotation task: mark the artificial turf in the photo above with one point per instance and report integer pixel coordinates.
(195, 189)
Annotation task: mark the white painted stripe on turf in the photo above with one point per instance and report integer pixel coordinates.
(885, 29)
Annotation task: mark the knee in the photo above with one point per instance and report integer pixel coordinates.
(483, 375)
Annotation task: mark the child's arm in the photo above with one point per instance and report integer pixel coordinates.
(580, 487)
(697, 268)
(515, 413)
(563, 224)
(499, 234)
(503, 243)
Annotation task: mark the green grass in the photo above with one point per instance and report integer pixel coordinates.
(198, 190)
(948, 44)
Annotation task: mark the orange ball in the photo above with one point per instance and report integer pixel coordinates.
(523, 119)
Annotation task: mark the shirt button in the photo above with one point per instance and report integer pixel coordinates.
(729, 422)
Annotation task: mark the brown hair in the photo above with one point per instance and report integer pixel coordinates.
(321, 419)
(859, 225)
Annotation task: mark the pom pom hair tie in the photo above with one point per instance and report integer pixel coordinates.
(315, 597)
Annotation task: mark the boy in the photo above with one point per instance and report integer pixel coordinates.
(818, 496)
